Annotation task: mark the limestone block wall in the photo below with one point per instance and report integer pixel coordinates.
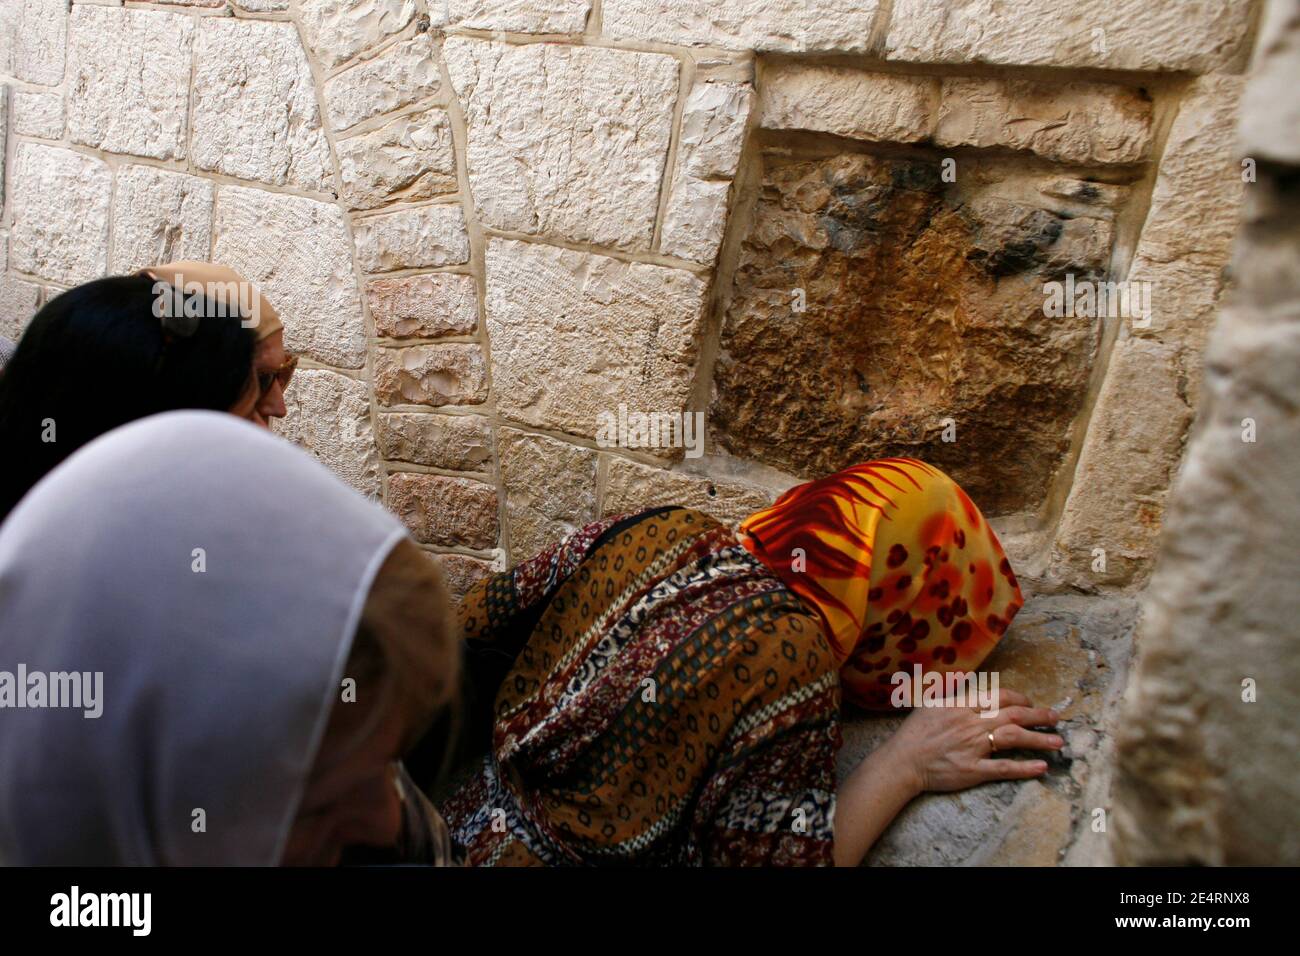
(829, 226)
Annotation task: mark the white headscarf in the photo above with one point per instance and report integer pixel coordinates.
(217, 683)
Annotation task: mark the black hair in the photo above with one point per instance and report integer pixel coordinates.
(96, 357)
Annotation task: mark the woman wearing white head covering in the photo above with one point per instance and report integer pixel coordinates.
(226, 586)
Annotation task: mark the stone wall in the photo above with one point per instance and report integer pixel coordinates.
(1208, 767)
(828, 225)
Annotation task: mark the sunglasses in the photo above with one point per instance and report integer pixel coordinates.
(281, 374)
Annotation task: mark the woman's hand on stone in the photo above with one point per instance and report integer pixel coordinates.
(948, 748)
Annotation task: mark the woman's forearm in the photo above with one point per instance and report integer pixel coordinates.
(875, 792)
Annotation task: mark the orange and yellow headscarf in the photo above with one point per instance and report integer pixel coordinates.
(899, 564)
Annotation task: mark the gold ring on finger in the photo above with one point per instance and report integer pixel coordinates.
(993, 747)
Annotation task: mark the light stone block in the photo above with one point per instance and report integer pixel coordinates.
(400, 75)
(1270, 110)
(130, 79)
(1191, 222)
(410, 158)
(881, 107)
(455, 442)
(599, 182)
(631, 487)
(550, 490)
(423, 306)
(159, 216)
(19, 300)
(329, 416)
(713, 129)
(255, 111)
(423, 237)
(1131, 454)
(1084, 123)
(786, 26)
(696, 219)
(1196, 202)
(574, 334)
(38, 113)
(454, 373)
(11, 18)
(460, 572)
(445, 511)
(39, 43)
(708, 150)
(520, 16)
(60, 214)
(1108, 34)
(4, 136)
(296, 250)
(338, 30)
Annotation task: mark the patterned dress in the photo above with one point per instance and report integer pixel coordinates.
(666, 699)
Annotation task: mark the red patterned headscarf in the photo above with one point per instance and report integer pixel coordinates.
(899, 564)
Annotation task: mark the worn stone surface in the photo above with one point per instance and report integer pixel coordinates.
(337, 30)
(599, 182)
(1197, 197)
(39, 42)
(454, 373)
(19, 300)
(1039, 830)
(455, 442)
(255, 112)
(159, 216)
(296, 250)
(776, 25)
(423, 306)
(11, 17)
(460, 572)
(696, 219)
(1084, 123)
(883, 107)
(550, 489)
(631, 487)
(408, 159)
(400, 75)
(445, 511)
(1134, 445)
(60, 209)
(425, 237)
(129, 80)
(520, 16)
(1135, 437)
(1270, 114)
(713, 129)
(38, 113)
(4, 136)
(1078, 650)
(708, 150)
(574, 334)
(1206, 754)
(329, 416)
(1110, 34)
(924, 311)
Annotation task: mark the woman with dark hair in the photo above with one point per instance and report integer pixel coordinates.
(183, 335)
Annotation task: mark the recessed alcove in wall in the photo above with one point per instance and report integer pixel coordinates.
(888, 299)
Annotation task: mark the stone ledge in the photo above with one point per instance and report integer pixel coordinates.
(1066, 652)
